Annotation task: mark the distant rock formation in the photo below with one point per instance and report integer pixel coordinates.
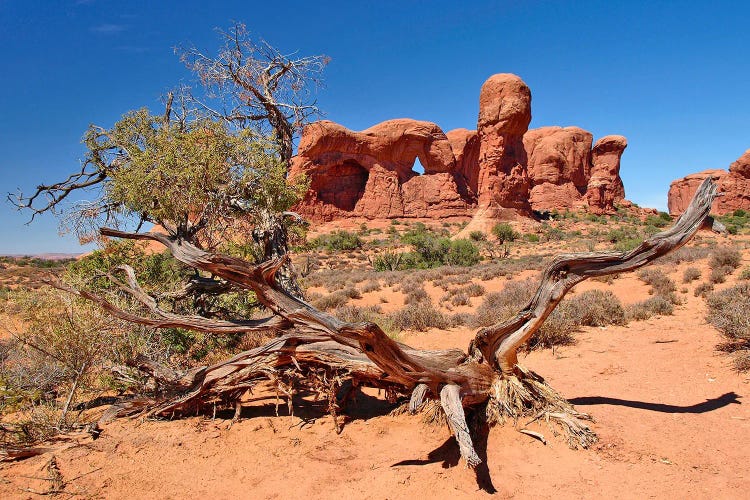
(501, 168)
(370, 173)
(734, 187)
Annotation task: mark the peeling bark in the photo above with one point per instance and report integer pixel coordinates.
(311, 344)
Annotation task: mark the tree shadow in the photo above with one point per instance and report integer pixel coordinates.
(449, 454)
(704, 407)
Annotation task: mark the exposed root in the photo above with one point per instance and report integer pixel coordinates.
(528, 395)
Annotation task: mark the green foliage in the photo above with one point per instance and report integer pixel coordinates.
(531, 237)
(504, 232)
(735, 222)
(337, 241)
(184, 174)
(477, 236)
(462, 253)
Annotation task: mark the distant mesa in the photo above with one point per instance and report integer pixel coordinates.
(734, 188)
(502, 167)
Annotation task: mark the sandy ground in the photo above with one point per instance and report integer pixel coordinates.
(672, 415)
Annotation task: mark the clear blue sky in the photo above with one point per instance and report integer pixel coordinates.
(674, 77)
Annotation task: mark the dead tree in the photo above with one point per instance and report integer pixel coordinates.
(316, 351)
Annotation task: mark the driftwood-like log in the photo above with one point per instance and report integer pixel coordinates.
(312, 345)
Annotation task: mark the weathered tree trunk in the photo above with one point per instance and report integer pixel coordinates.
(312, 347)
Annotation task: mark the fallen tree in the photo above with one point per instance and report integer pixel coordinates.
(314, 351)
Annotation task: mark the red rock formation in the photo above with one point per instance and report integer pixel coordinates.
(465, 145)
(501, 168)
(605, 186)
(734, 187)
(504, 116)
(559, 166)
(369, 173)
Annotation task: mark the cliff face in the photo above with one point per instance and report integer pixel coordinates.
(734, 186)
(502, 165)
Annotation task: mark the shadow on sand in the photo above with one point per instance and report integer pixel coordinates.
(706, 406)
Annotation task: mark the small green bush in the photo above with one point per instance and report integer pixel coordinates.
(337, 241)
(504, 232)
(477, 236)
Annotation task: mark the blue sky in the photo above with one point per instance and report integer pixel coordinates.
(673, 77)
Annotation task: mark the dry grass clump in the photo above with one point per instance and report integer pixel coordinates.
(728, 257)
(371, 286)
(657, 305)
(330, 301)
(658, 281)
(461, 299)
(372, 314)
(501, 306)
(745, 274)
(719, 274)
(703, 289)
(691, 274)
(596, 308)
(729, 312)
(419, 317)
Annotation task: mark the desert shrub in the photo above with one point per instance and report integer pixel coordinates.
(703, 289)
(477, 236)
(416, 296)
(462, 253)
(745, 274)
(558, 329)
(473, 290)
(460, 299)
(504, 232)
(372, 314)
(419, 317)
(459, 319)
(719, 274)
(554, 234)
(691, 274)
(661, 220)
(654, 306)
(659, 282)
(729, 312)
(57, 347)
(337, 241)
(371, 286)
(531, 237)
(330, 301)
(596, 308)
(726, 257)
(500, 306)
(351, 292)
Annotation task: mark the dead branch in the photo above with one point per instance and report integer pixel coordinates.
(361, 352)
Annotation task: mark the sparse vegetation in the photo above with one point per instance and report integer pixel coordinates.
(729, 312)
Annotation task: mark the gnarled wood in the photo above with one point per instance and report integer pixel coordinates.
(309, 341)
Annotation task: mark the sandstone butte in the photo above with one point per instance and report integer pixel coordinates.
(501, 168)
(734, 188)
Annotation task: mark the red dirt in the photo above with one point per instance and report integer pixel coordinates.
(671, 413)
